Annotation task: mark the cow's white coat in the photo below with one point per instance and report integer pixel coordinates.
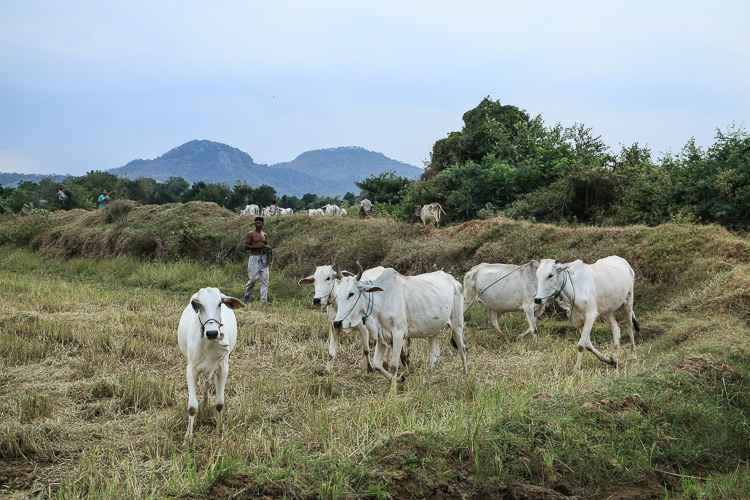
(588, 291)
(326, 288)
(395, 307)
(504, 288)
(207, 334)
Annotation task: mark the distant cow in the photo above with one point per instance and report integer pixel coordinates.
(429, 212)
(326, 287)
(588, 291)
(504, 288)
(333, 210)
(250, 210)
(315, 212)
(395, 307)
(286, 211)
(207, 334)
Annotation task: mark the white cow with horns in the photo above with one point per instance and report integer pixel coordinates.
(326, 286)
(395, 307)
(588, 291)
(503, 288)
(207, 334)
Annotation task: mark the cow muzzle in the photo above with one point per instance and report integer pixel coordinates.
(338, 324)
(316, 301)
(537, 300)
(212, 334)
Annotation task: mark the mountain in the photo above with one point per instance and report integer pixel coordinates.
(326, 172)
(12, 179)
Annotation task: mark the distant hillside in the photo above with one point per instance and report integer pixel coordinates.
(330, 172)
(12, 179)
(351, 163)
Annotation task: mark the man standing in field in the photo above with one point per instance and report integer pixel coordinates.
(61, 197)
(365, 207)
(257, 264)
(103, 199)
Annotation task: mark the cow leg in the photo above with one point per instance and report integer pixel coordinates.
(405, 353)
(492, 317)
(192, 377)
(397, 346)
(585, 342)
(458, 337)
(333, 344)
(377, 359)
(630, 318)
(220, 382)
(612, 322)
(434, 347)
(365, 335)
(530, 312)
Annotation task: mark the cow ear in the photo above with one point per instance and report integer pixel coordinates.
(310, 280)
(232, 303)
(197, 306)
(534, 265)
(370, 289)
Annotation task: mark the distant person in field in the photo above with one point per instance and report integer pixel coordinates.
(365, 207)
(273, 209)
(257, 265)
(61, 197)
(103, 199)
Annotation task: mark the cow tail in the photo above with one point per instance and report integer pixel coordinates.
(635, 324)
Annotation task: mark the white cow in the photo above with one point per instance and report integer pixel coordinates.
(429, 212)
(504, 288)
(286, 211)
(395, 307)
(315, 212)
(333, 210)
(251, 210)
(207, 334)
(588, 291)
(326, 286)
(344, 213)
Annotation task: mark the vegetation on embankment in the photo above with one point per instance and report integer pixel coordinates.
(94, 394)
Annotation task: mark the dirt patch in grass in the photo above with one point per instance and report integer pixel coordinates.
(704, 367)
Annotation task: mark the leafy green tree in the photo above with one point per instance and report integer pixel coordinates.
(384, 188)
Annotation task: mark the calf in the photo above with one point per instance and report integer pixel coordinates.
(207, 334)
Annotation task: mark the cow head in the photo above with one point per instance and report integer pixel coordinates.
(417, 210)
(207, 305)
(324, 281)
(550, 280)
(351, 301)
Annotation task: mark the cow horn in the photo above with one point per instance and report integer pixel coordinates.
(339, 276)
(359, 276)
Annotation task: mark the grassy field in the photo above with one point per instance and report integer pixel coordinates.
(94, 395)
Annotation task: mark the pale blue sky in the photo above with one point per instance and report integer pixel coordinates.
(91, 85)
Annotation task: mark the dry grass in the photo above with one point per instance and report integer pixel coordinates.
(94, 394)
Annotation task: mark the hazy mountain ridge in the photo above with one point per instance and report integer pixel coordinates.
(325, 172)
(328, 172)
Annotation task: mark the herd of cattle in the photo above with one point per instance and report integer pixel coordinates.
(329, 210)
(393, 308)
(427, 213)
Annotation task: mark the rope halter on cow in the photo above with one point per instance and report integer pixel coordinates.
(203, 325)
(557, 293)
